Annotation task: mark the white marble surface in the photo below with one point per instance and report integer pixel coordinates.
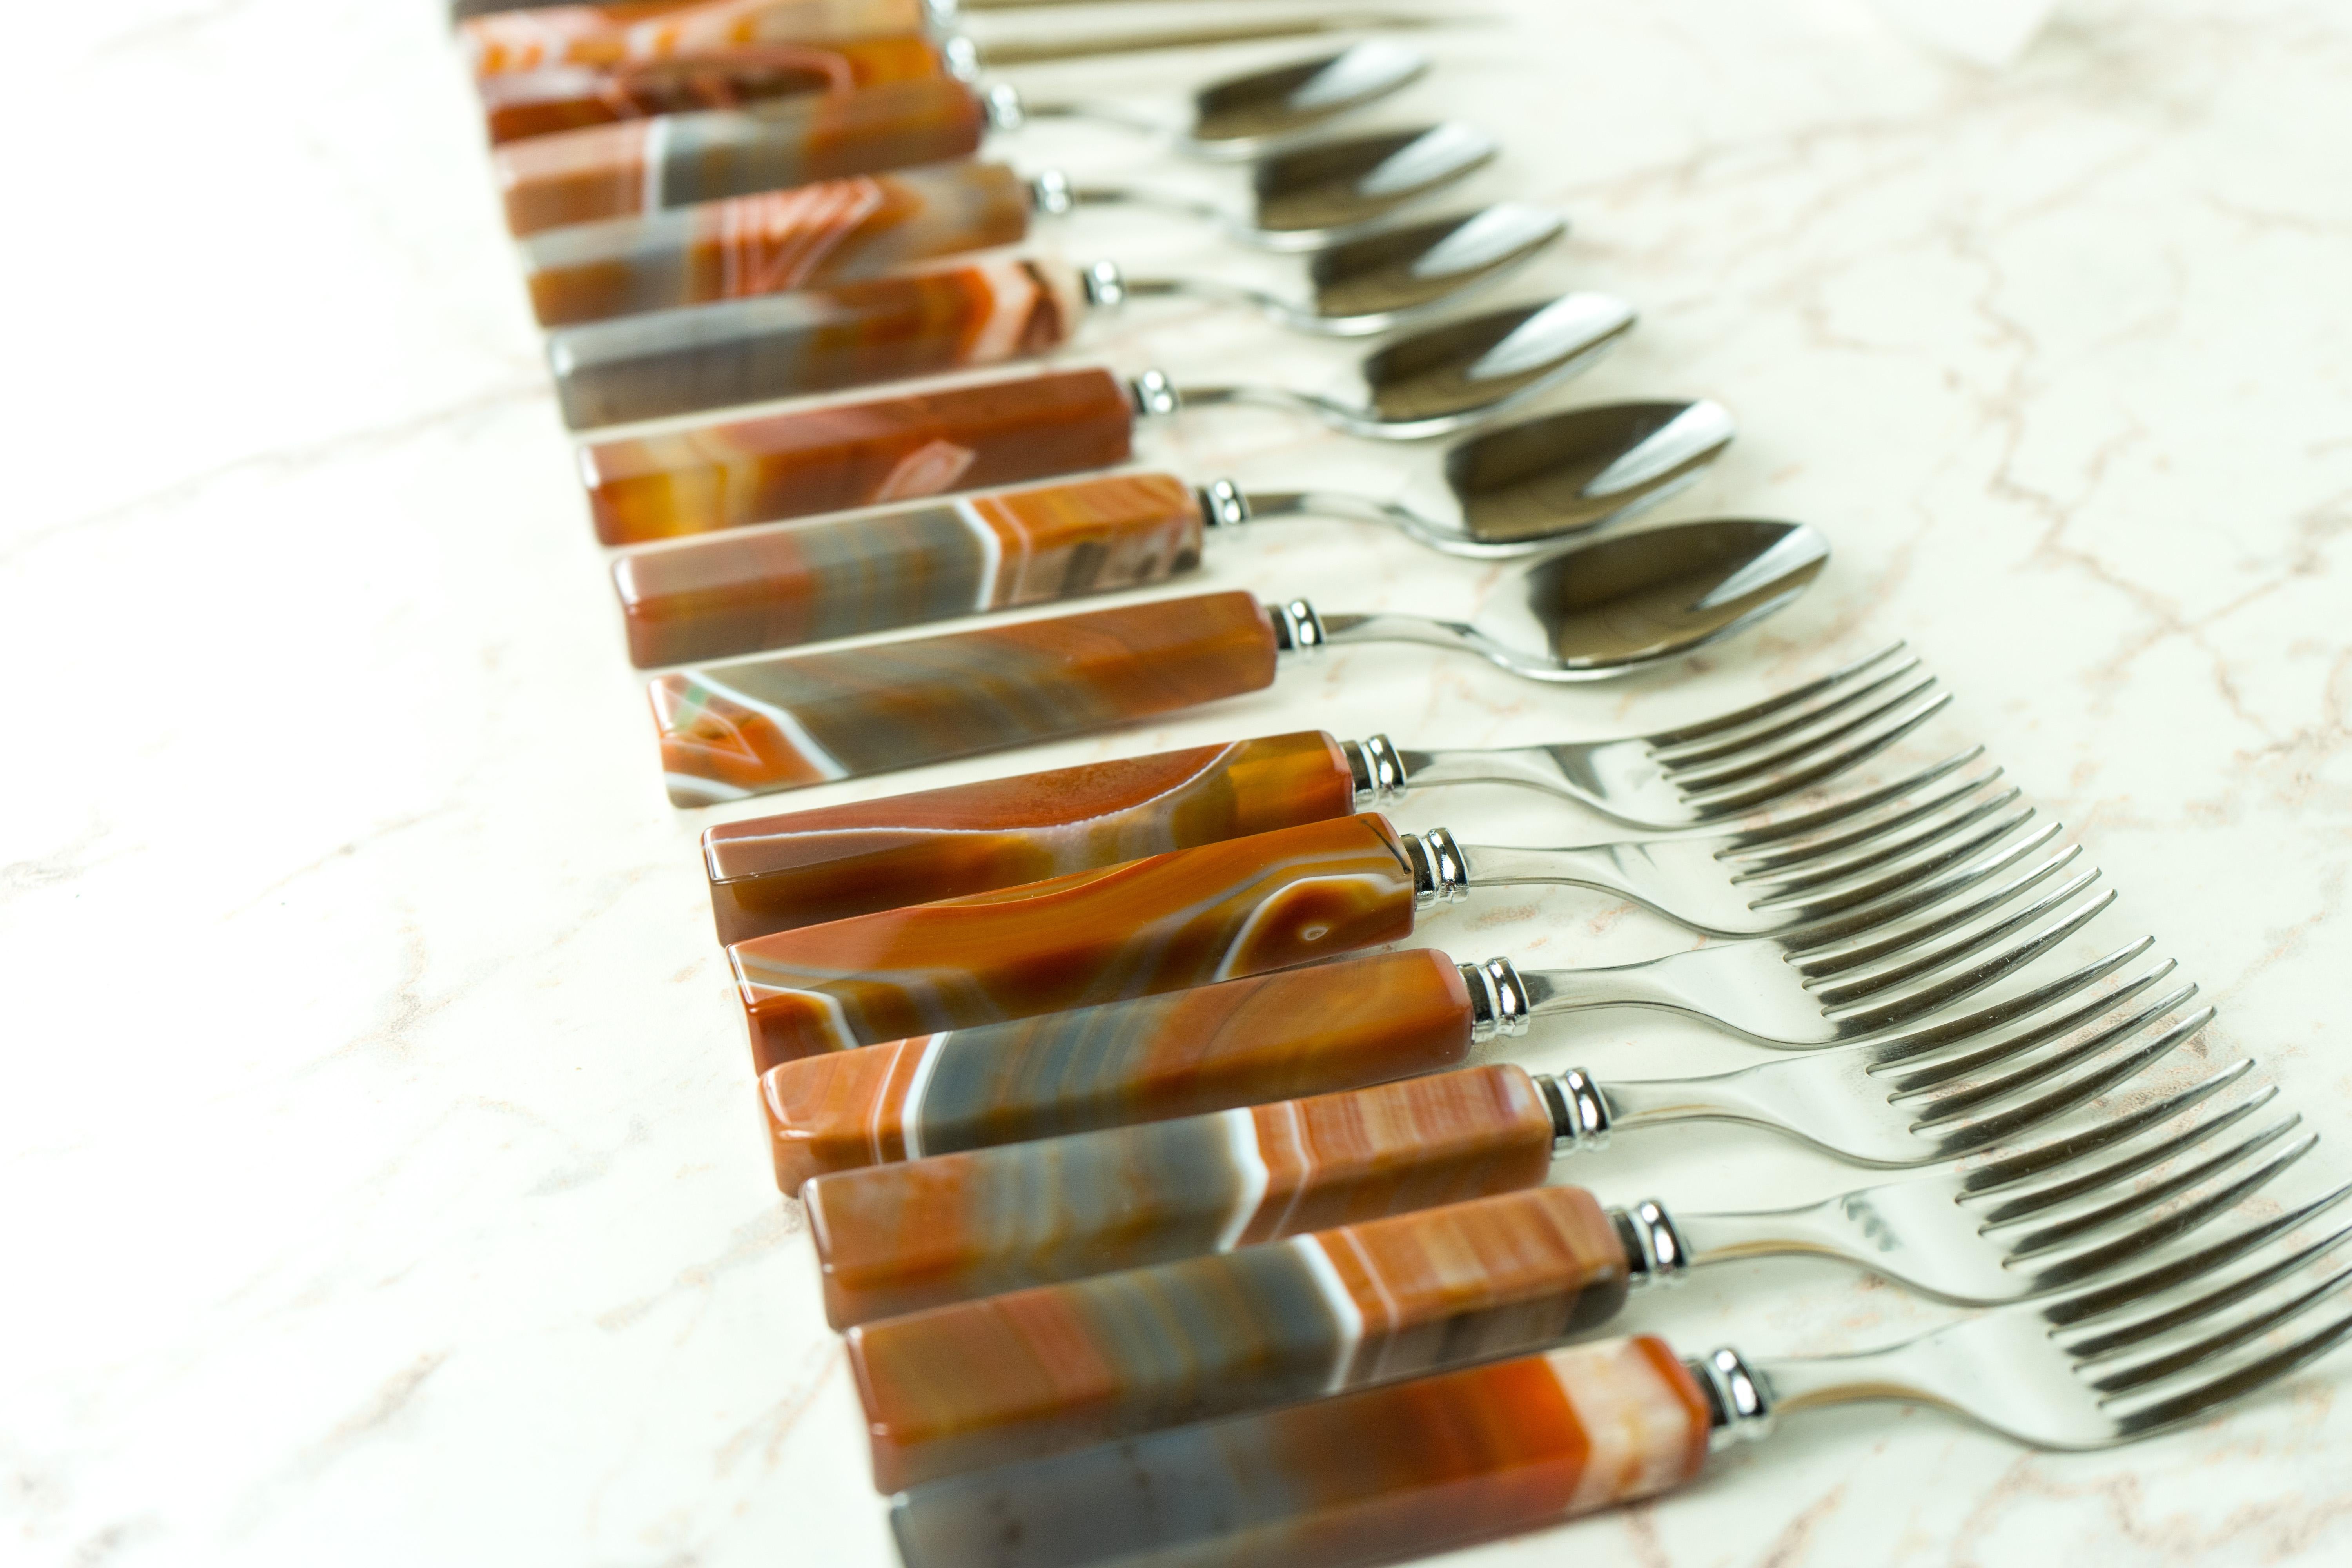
(381, 1179)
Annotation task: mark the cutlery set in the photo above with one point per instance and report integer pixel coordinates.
(1175, 1208)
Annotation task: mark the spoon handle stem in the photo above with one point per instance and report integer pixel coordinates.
(835, 231)
(732, 730)
(635, 166)
(1134, 930)
(850, 455)
(926, 323)
(776, 873)
(798, 583)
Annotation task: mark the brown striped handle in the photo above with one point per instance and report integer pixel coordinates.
(1344, 1024)
(775, 873)
(800, 582)
(736, 729)
(1148, 926)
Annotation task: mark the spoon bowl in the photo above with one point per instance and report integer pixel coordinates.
(1241, 115)
(1310, 197)
(1447, 377)
(1369, 285)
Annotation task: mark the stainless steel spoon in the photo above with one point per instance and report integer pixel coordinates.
(1311, 196)
(1372, 284)
(1520, 489)
(1610, 608)
(1242, 116)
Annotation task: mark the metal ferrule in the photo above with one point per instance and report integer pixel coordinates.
(1379, 772)
(1005, 109)
(1155, 395)
(1440, 875)
(1051, 193)
(1652, 1245)
(1742, 1410)
(1297, 629)
(1579, 1117)
(958, 56)
(1106, 285)
(940, 15)
(1498, 1000)
(1223, 504)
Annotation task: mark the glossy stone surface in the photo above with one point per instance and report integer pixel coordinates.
(835, 231)
(924, 322)
(794, 582)
(615, 35)
(1365, 1478)
(1065, 1366)
(797, 869)
(736, 729)
(840, 456)
(895, 1238)
(568, 98)
(676, 160)
(1343, 1025)
(1148, 926)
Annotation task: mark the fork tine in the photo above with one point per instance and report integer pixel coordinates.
(1901, 1047)
(1960, 872)
(2148, 1237)
(2106, 1300)
(1771, 705)
(2155, 1368)
(1971, 978)
(1816, 964)
(2190, 1403)
(1911, 864)
(1788, 851)
(1804, 766)
(1754, 736)
(2074, 1092)
(1954, 1102)
(1889, 975)
(2113, 1341)
(1712, 764)
(2130, 1201)
(2054, 1028)
(1812, 822)
(2034, 1200)
(1866, 850)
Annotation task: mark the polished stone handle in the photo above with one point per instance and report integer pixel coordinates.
(803, 236)
(777, 873)
(1045, 1371)
(1376, 1476)
(923, 322)
(902, 1237)
(847, 455)
(1331, 1026)
(732, 730)
(814, 582)
(609, 37)
(634, 166)
(1136, 930)
(519, 105)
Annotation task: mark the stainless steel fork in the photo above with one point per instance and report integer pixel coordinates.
(1704, 773)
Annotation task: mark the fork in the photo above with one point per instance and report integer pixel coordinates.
(892, 1239)
(777, 873)
(1444, 1460)
(1377, 1301)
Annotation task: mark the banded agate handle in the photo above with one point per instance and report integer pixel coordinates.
(1331, 1026)
(1135, 929)
(517, 105)
(521, 40)
(1045, 1371)
(1370, 1477)
(902, 1237)
(634, 166)
(732, 730)
(776, 873)
(844, 455)
(815, 581)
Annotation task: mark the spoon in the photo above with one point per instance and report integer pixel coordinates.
(641, 165)
(1602, 610)
(837, 231)
(1516, 491)
(953, 316)
(989, 434)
